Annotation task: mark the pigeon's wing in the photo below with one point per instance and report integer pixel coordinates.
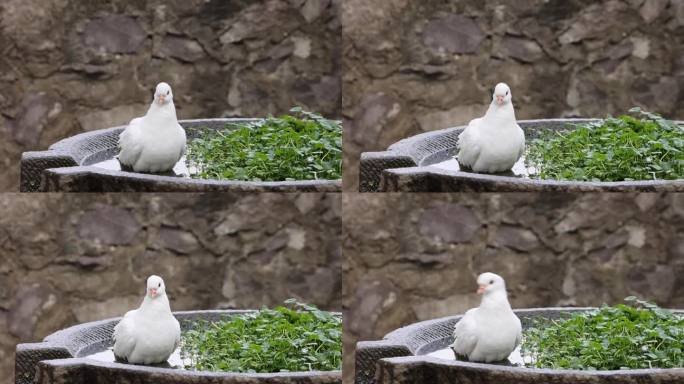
(469, 146)
(124, 336)
(178, 334)
(183, 148)
(130, 144)
(465, 334)
(518, 337)
(521, 150)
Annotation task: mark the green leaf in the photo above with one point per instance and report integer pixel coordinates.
(295, 337)
(638, 335)
(290, 147)
(640, 147)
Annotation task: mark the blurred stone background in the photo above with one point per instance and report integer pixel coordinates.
(68, 66)
(412, 257)
(68, 259)
(414, 66)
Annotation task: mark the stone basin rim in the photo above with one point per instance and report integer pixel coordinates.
(82, 361)
(405, 160)
(80, 340)
(540, 371)
(67, 165)
(408, 337)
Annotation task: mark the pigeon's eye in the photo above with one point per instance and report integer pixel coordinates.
(167, 93)
(506, 93)
(491, 282)
(159, 286)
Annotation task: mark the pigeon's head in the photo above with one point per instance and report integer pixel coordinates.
(502, 94)
(163, 94)
(490, 282)
(155, 287)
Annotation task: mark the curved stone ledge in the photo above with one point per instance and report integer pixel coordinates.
(67, 166)
(401, 358)
(60, 358)
(404, 167)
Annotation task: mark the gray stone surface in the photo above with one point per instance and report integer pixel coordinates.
(71, 66)
(436, 62)
(453, 34)
(109, 225)
(114, 34)
(68, 258)
(553, 249)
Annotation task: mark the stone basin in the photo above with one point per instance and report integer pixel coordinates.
(66, 357)
(85, 163)
(415, 165)
(404, 356)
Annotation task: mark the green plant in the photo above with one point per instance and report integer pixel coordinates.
(639, 335)
(645, 147)
(300, 146)
(297, 337)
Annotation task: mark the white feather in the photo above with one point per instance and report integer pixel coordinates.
(465, 332)
(130, 143)
(124, 338)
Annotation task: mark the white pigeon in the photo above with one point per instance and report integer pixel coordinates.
(492, 331)
(492, 143)
(149, 334)
(155, 142)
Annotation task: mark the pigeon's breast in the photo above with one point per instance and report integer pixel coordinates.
(161, 151)
(156, 338)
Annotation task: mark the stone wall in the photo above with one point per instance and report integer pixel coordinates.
(70, 66)
(414, 66)
(68, 259)
(411, 257)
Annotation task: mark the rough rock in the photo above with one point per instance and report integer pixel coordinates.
(591, 23)
(181, 48)
(525, 50)
(114, 34)
(178, 240)
(105, 309)
(113, 117)
(30, 302)
(372, 298)
(37, 111)
(652, 9)
(449, 223)
(520, 239)
(453, 34)
(312, 9)
(375, 112)
(109, 225)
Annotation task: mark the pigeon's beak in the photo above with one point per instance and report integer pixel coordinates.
(481, 289)
(499, 99)
(161, 99)
(153, 292)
